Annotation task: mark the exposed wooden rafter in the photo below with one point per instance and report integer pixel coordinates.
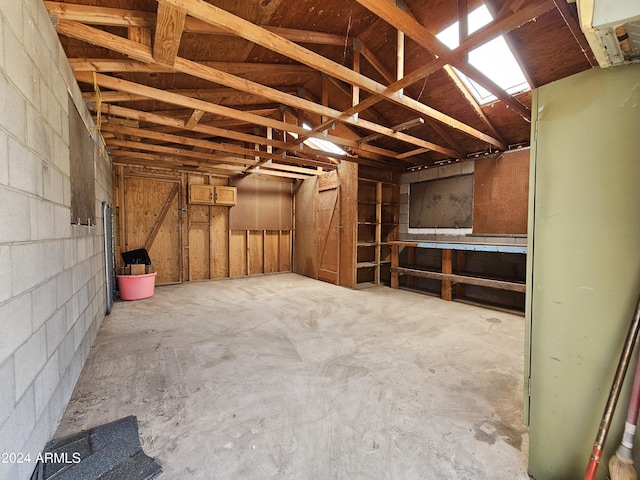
(120, 17)
(142, 53)
(215, 85)
(404, 22)
(233, 24)
(215, 132)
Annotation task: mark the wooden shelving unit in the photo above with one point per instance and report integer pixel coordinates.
(378, 215)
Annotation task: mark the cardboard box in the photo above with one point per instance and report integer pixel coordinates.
(124, 270)
(137, 269)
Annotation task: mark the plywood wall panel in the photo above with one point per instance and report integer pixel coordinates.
(501, 189)
(305, 240)
(144, 201)
(255, 252)
(349, 212)
(219, 236)
(194, 243)
(199, 251)
(285, 251)
(262, 205)
(237, 253)
(271, 251)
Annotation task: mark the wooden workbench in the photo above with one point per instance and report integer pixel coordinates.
(446, 275)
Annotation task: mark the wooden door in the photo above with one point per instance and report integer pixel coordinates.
(152, 221)
(329, 233)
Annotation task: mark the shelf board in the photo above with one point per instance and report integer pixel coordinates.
(367, 244)
(366, 265)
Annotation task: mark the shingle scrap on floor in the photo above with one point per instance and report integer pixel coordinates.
(285, 377)
(106, 452)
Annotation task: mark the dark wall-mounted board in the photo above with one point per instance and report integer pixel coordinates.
(442, 203)
(81, 157)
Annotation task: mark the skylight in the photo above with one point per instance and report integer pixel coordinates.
(323, 145)
(494, 59)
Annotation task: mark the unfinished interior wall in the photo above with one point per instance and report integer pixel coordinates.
(52, 293)
(326, 226)
(189, 241)
(499, 205)
(501, 188)
(583, 267)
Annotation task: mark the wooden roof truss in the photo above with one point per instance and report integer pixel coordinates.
(262, 131)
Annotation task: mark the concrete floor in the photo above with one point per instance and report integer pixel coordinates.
(284, 377)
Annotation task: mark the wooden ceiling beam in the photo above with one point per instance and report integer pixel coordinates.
(510, 5)
(290, 168)
(188, 102)
(169, 28)
(472, 101)
(139, 34)
(404, 22)
(374, 61)
(444, 134)
(142, 53)
(179, 153)
(213, 146)
(233, 24)
(129, 157)
(108, 65)
(209, 94)
(120, 17)
(127, 113)
(194, 119)
(483, 35)
(274, 173)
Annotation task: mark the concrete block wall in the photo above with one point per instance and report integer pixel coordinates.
(52, 292)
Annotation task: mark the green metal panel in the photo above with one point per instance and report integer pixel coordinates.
(584, 261)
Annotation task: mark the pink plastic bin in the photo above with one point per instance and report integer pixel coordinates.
(136, 287)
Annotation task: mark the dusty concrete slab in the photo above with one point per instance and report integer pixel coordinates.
(285, 377)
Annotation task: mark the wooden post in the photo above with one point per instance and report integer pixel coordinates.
(461, 265)
(395, 249)
(447, 269)
(411, 260)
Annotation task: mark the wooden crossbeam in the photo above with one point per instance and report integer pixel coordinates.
(247, 30)
(160, 218)
(465, 279)
(108, 65)
(172, 98)
(194, 119)
(129, 157)
(471, 100)
(169, 27)
(404, 22)
(498, 27)
(212, 146)
(121, 45)
(120, 17)
(174, 151)
(312, 156)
